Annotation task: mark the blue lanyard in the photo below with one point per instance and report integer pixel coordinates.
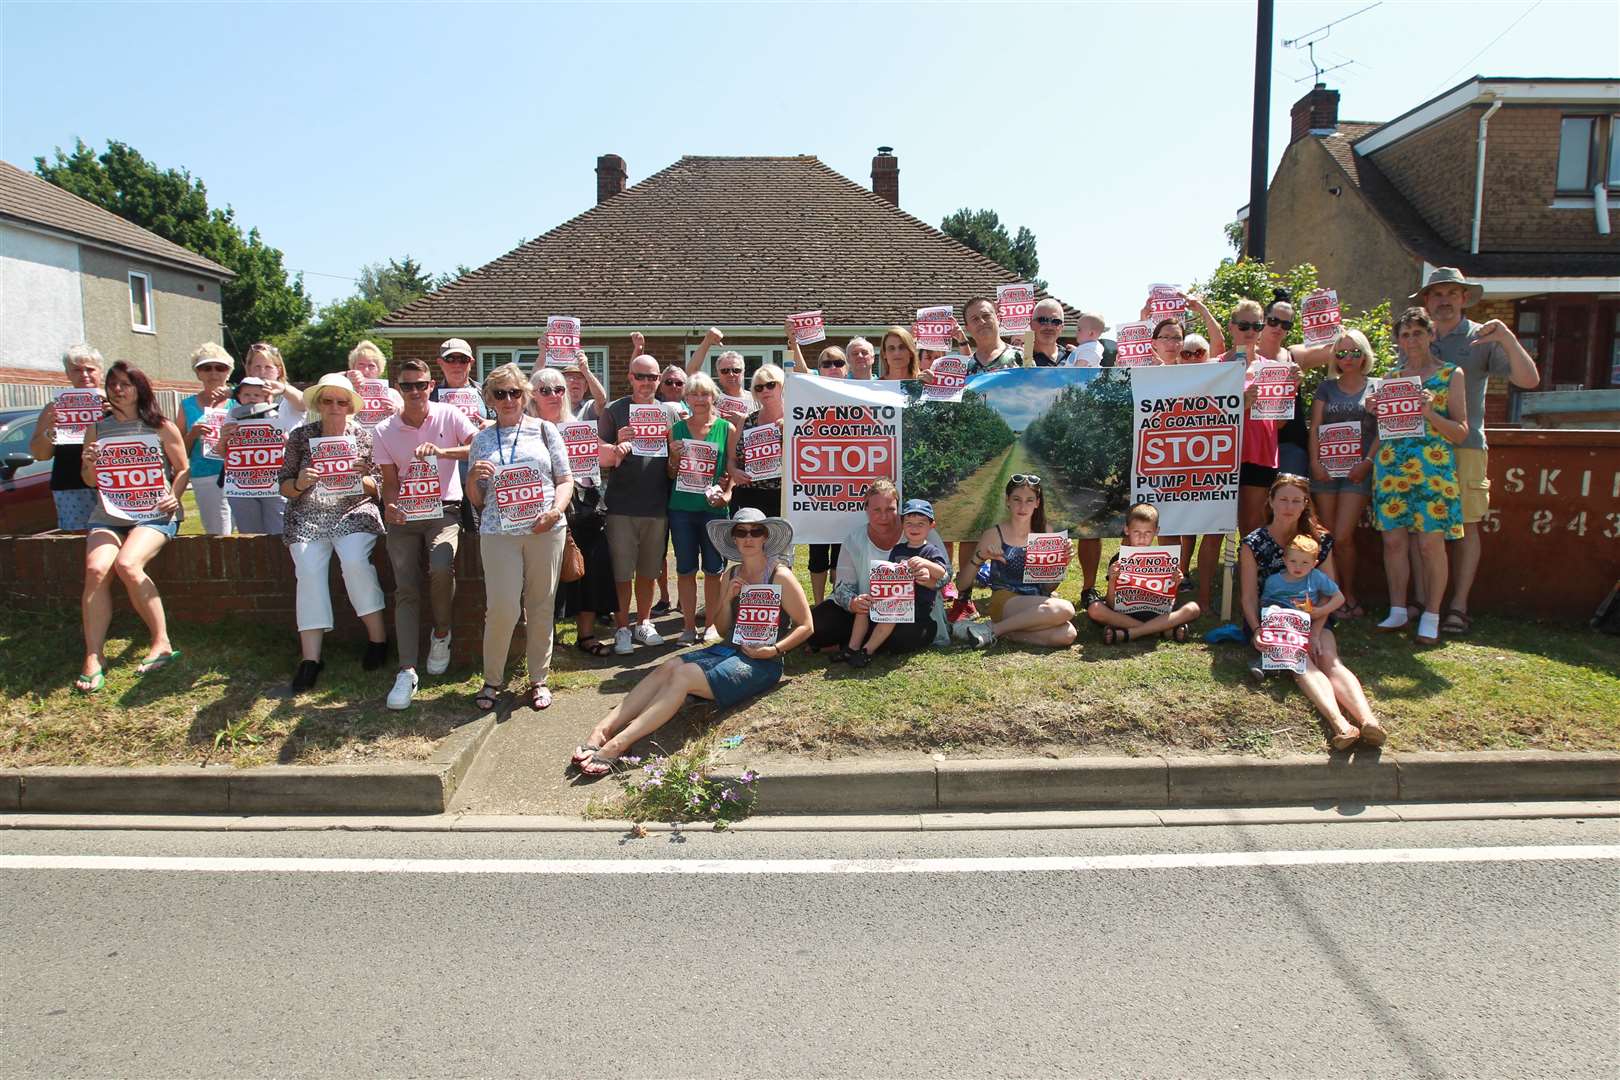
(500, 447)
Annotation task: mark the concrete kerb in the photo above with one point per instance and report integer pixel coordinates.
(424, 788)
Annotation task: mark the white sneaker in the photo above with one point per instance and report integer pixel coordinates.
(646, 635)
(438, 661)
(404, 690)
(688, 637)
(622, 645)
(982, 634)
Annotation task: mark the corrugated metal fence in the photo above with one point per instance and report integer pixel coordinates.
(21, 396)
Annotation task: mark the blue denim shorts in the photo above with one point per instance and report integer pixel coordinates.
(168, 528)
(688, 530)
(732, 676)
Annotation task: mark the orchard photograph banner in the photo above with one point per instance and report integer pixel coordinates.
(1079, 429)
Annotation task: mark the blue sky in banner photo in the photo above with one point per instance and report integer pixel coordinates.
(349, 133)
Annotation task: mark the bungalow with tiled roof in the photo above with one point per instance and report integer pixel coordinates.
(1508, 179)
(733, 242)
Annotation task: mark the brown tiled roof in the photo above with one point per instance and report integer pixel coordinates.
(26, 198)
(1419, 237)
(729, 241)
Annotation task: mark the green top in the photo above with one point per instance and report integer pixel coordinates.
(719, 432)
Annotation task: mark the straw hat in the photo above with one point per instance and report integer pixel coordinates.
(778, 533)
(335, 380)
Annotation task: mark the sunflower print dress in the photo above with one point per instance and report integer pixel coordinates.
(1415, 480)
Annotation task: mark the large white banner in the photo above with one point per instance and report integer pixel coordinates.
(1186, 426)
(841, 435)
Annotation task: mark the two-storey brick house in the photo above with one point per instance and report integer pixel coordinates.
(1509, 179)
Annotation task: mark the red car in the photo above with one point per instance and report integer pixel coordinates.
(26, 505)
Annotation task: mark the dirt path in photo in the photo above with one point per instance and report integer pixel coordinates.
(957, 516)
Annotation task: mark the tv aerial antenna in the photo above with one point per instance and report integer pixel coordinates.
(1309, 39)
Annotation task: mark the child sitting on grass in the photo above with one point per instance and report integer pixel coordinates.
(927, 562)
(1141, 530)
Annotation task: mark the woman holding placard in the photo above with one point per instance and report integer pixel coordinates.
(522, 485)
(755, 480)
(330, 483)
(1258, 463)
(900, 356)
(700, 447)
(74, 498)
(201, 415)
(1343, 434)
(1021, 610)
(593, 595)
(122, 542)
(1415, 489)
(729, 672)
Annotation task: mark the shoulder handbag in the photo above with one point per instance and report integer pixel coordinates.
(573, 560)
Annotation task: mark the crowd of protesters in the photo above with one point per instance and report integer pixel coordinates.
(597, 551)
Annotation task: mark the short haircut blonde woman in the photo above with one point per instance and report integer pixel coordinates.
(700, 381)
(1361, 343)
(81, 354)
(504, 378)
(553, 378)
(1248, 310)
(369, 350)
(211, 350)
(769, 373)
(907, 342)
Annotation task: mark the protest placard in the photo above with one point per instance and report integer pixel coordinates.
(892, 592)
(841, 436)
(1186, 420)
(376, 403)
(1319, 318)
(253, 461)
(649, 431)
(734, 409)
(1046, 558)
(1166, 302)
(335, 461)
(76, 410)
(1146, 580)
(465, 398)
(1015, 306)
(945, 379)
(933, 327)
(562, 341)
(761, 452)
(808, 327)
(1275, 387)
(695, 471)
(1338, 447)
(522, 493)
(1135, 341)
(130, 477)
(1284, 638)
(759, 614)
(420, 492)
(207, 426)
(1400, 408)
(584, 450)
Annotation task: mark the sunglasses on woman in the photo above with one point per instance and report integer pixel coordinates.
(550, 391)
(743, 531)
(765, 386)
(832, 363)
(1020, 479)
(1286, 324)
(1343, 354)
(506, 395)
(1240, 324)
(1188, 354)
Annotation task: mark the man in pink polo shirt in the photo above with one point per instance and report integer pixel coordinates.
(422, 430)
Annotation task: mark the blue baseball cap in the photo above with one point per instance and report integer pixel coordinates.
(918, 506)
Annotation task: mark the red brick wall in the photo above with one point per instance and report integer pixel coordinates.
(1434, 169)
(1521, 177)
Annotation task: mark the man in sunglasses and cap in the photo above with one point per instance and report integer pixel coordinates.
(457, 387)
(1482, 351)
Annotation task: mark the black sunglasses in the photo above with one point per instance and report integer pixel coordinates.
(1239, 324)
(1019, 479)
(455, 359)
(643, 375)
(1341, 354)
(551, 391)
(1048, 320)
(743, 530)
(1286, 324)
(731, 371)
(414, 387)
(674, 382)
(507, 395)
(832, 363)
(1185, 353)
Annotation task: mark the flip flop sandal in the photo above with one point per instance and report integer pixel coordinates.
(539, 697)
(594, 646)
(90, 684)
(1178, 635)
(1456, 622)
(583, 753)
(157, 663)
(1346, 740)
(1116, 635)
(598, 765)
(487, 697)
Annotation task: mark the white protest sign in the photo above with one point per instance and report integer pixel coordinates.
(892, 592)
(130, 477)
(208, 424)
(377, 404)
(1046, 558)
(1284, 638)
(1146, 579)
(562, 341)
(731, 408)
(1319, 318)
(1338, 447)
(1400, 408)
(1166, 302)
(421, 496)
(1275, 388)
(1185, 425)
(761, 451)
(1015, 306)
(1135, 340)
(759, 612)
(465, 398)
(521, 494)
(253, 460)
(584, 450)
(945, 379)
(933, 327)
(841, 436)
(335, 461)
(695, 471)
(808, 327)
(649, 431)
(76, 410)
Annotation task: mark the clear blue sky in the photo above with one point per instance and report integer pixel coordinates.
(1119, 133)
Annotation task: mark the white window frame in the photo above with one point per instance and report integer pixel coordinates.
(150, 326)
(753, 357)
(491, 357)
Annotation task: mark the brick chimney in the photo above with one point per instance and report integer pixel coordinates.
(1317, 113)
(886, 174)
(610, 176)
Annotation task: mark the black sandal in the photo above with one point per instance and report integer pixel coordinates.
(1178, 635)
(592, 645)
(487, 697)
(1116, 635)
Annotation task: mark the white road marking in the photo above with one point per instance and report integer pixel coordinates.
(1043, 864)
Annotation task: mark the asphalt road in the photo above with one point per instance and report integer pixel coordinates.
(1428, 968)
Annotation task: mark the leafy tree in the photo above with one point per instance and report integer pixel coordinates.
(983, 231)
(1084, 436)
(259, 303)
(1234, 235)
(945, 441)
(323, 345)
(396, 284)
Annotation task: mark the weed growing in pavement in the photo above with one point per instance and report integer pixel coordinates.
(674, 787)
(236, 732)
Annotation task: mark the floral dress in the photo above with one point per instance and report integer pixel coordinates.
(1415, 480)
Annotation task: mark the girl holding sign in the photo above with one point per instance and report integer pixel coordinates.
(119, 545)
(201, 415)
(522, 485)
(1343, 435)
(1018, 610)
(699, 448)
(1415, 489)
(725, 674)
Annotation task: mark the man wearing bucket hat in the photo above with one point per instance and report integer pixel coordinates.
(727, 673)
(1480, 350)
